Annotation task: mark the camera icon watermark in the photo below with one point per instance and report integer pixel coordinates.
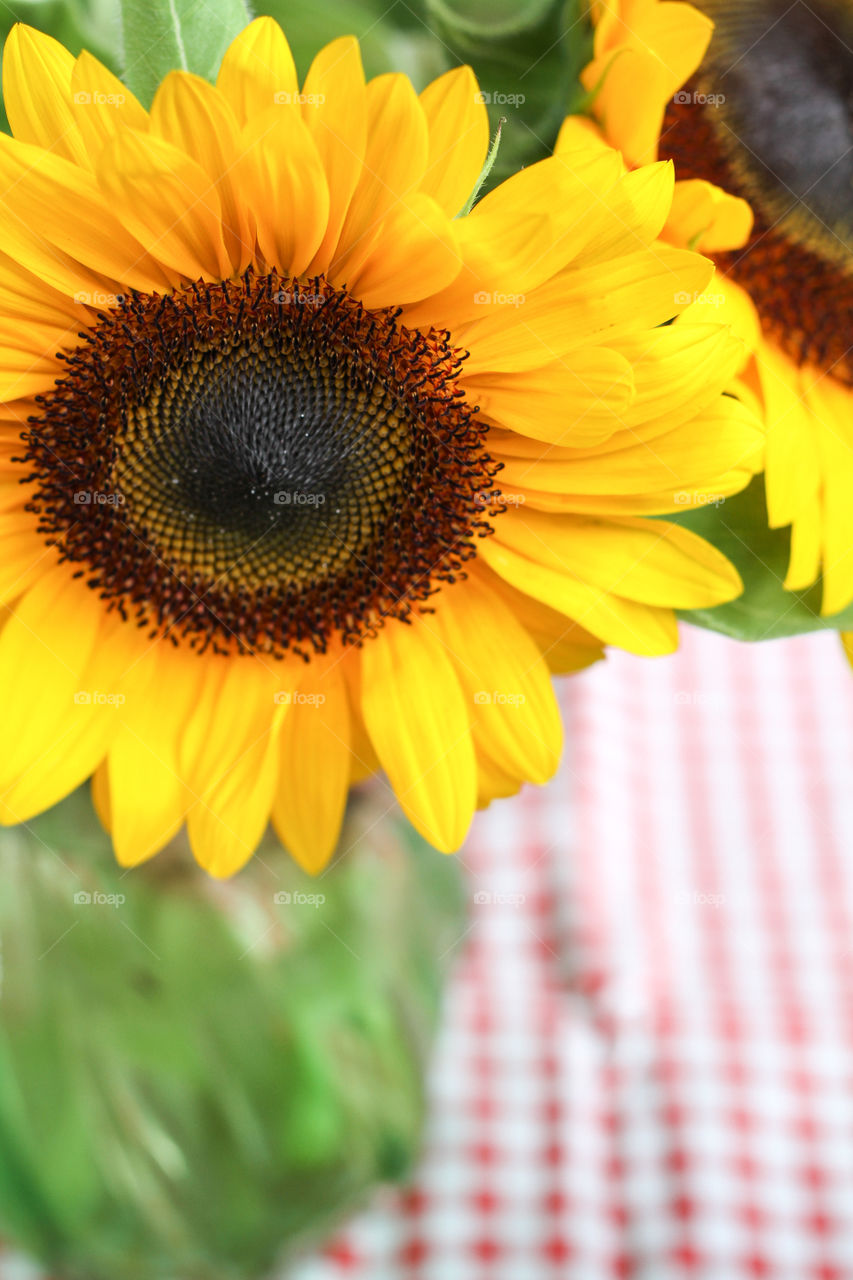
(498, 498)
(295, 698)
(82, 898)
(97, 498)
(685, 97)
(494, 298)
(296, 498)
(98, 298)
(97, 99)
(285, 99)
(284, 898)
(95, 698)
(495, 98)
(694, 498)
(488, 898)
(498, 698)
(685, 299)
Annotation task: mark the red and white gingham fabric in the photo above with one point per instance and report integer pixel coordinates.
(646, 1068)
(647, 1064)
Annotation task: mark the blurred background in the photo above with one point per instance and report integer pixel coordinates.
(646, 1061)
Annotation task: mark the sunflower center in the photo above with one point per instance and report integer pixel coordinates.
(260, 464)
(770, 117)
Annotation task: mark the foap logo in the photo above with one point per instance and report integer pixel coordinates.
(284, 898)
(83, 898)
(498, 498)
(285, 99)
(296, 498)
(97, 498)
(291, 698)
(498, 698)
(685, 299)
(692, 498)
(696, 99)
(97, 99)
(495, 98)
(488, 898)
(485, 298)
(95, 698)
(99, 298)
(285, 298)
(698, 898)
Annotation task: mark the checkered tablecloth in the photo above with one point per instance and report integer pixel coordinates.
(647, 1062)
(646, 1068)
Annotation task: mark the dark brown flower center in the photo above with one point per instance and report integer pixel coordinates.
(260, 464)
(770, 117)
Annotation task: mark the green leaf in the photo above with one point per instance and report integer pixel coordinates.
(526, 55)
(159, 36)
(766, 611)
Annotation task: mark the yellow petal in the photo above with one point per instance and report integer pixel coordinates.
(565, 645)
(148, 800)
(413, 254)
(55, 217)
(793, 473)
(639, 628)
(458, 125)
(579, 400)
(315, 767)
(83, 666)
(228, 757)
(37, 92)
(195, 117)
(419, 723)
(258, 72)
(168, 202)
(515, 720)
(619, 577)
(395, 158)
(586, 305)
(830, 404)
(290, 195)
(706, 218)
(643, 59)
(650, 561)
(335, 110)
(686, 460)
(23, 554)
(44, 648)
(102, 106)
(101, 795)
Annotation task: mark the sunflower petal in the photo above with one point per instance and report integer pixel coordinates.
(315, 769)
(419, 723)
(514, 715)
(258, 71)
(37, 92)
(168, 202)
(458, 125)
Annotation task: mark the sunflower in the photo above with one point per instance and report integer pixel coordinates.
(752, 100)
(305, 476)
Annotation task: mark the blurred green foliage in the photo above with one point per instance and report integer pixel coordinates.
(194, 1074)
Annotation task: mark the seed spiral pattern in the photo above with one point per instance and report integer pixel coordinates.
(770, 118)
(260, 464)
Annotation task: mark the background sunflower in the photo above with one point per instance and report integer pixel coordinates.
(752, 102)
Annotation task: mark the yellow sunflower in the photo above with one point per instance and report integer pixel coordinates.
(752, 100)
(305, 476)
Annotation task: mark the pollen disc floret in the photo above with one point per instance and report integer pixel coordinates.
(260, 464)
(769, 117)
